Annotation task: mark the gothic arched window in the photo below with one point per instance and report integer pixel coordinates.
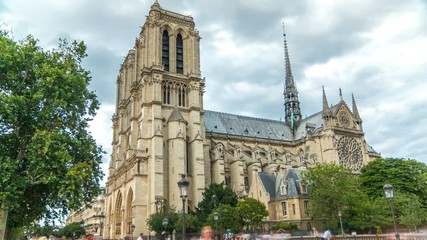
(181, 96)
(179, 55)
(165, 50)
(166, 93)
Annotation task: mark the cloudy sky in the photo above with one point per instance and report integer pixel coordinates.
(376, 50)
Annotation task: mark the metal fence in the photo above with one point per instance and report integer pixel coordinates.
(196, 236)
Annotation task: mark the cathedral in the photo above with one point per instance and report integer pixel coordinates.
(162, 131)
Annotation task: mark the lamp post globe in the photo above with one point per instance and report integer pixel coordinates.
(183, 185)
(132, 228)
(388, 190)
(165, 223)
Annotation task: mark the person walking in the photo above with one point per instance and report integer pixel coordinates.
(327, 235)
(140, 237)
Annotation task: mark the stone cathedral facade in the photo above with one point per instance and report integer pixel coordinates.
(161, 130)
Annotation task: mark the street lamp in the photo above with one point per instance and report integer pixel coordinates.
(165, 223)
(388, 189)
(339, 215)
(214, 199)
(183, 189)
(132, 228)
(215, 216)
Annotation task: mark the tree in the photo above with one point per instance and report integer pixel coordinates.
(406, 176)
(228, 218)
(215, 195)
(71, 230)
(155, 221)
(412, 213)
(366, 214)
(333, 188)
(251, 212)
(49, 162)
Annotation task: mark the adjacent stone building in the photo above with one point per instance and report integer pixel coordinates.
(161, 131)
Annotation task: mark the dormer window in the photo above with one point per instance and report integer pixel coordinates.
(179, 55)
(303, 188)
(165, 50)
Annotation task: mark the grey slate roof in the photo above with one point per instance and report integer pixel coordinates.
(291, 180)
(176, 116)
(268, 180)
(232, 124)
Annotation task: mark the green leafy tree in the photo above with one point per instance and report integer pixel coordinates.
(366, 215)
(49, 162)
(252, 212)
(155, 221)
(228, 218)
(411, 211)
(406, 176)
(333, 188)
(71, 230)
(192, 223)
(214, 196)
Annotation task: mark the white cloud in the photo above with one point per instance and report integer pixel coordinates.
(373, 49)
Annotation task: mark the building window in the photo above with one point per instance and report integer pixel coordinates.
(179, 55)
(165, 50)
(294, 209)
(181, 95)
(166, 93)
(306, 207)
(284, 209)
(303, 188)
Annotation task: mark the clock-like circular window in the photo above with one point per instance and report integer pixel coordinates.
(350, 153)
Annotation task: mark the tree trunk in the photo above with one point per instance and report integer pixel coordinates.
(3, 221)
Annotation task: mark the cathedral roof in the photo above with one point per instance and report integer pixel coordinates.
(176, 116)
(268, 180)
(232, 124)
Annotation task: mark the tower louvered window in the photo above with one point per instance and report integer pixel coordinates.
(179, 55)
(165, 50)
(166, 93)
(181, 96)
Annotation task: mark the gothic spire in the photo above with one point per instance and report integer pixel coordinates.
(292, 106)
(326, 110)
(355, 110)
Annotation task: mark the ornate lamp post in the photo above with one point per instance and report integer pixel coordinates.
(183, 189)
(132, 228)
(339, 215)
(215, 215)
(388, 189)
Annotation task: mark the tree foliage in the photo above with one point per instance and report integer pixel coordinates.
(251, 212)
(406, 176)
(333, 188)
(71, 230)
(215, 195)
(155, 221)
(228, 218)
(49, 162)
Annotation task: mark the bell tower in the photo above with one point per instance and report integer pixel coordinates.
(158, 125)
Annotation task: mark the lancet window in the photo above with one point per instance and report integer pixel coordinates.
(165, 50)
(179, 55)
